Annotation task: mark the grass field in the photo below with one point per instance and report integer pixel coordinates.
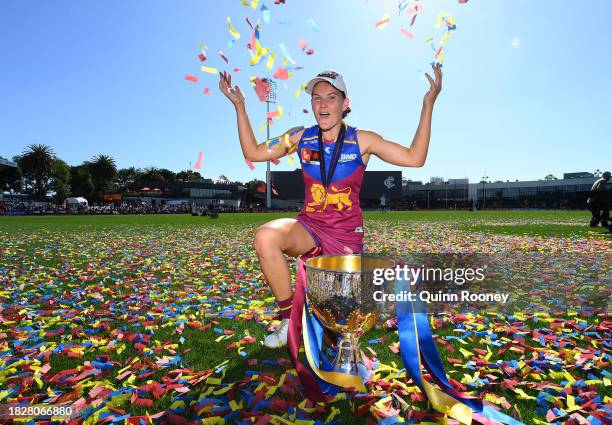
(160, 318)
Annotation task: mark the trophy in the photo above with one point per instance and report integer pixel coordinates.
(340, 293)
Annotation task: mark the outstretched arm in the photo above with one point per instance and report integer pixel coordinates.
(415, 155)
(250, 149)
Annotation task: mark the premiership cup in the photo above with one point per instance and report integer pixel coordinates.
(340, 293)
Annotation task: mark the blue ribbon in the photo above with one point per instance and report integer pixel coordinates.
(315, 334)
(413, 326)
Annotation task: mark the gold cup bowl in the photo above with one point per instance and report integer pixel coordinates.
(340, 292)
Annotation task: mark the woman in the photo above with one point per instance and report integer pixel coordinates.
(333, 157)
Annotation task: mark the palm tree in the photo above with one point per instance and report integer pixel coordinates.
(36, 164)
(103, 170)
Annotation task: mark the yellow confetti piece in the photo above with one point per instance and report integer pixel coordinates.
(270, 61)
(254, 4)
(291, 161)
(215, 420)
(213, 381)
(466, 353)
(335, 412)
(523, 395)
(231, 29)
(234, 405)
(209, 69)
(439, 20)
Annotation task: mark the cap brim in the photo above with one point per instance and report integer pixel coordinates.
(316, 80)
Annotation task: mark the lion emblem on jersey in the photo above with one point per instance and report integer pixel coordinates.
(339, 198)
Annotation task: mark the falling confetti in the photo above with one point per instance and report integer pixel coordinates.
(223, 56)
(209, 70)
(262, 88)
(312, 24)
(198, 164)
(231, 29)
(191, 78)
(383, 22)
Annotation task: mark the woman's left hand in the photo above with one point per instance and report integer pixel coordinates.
(435, 85)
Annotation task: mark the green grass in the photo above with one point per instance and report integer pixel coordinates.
(46, 244)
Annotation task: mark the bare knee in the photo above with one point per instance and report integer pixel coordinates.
(267, 242)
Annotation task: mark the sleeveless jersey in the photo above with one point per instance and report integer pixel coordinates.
(338, 208)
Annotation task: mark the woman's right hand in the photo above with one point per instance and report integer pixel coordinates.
(233, 94)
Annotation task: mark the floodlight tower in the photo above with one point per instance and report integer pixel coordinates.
(270, 98)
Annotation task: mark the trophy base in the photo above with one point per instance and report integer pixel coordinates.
(346, 359)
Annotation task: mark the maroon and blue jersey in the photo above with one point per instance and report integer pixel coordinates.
(338, 206)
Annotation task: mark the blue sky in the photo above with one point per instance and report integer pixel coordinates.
(107, 77)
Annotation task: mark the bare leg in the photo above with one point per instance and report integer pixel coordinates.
(285, 235)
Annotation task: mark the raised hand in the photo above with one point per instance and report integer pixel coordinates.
(234, 94)
(435, 85)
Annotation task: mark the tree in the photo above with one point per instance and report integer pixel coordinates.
(550, 177)
(154, 174)
(36, 163)
(60, 180)
(103, 171)
(10, 179)
(254, 184)
(80, 181)
(128, 179)
(188, 176)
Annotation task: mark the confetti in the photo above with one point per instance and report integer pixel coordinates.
(383, 22)
(262, 88)
(198, 164)
(285, 53)
(407, 33)
(249, 163)
(313, 25)
(191, 78)
(223, 56)
(266, 13)
(231, 29)
(209, 70)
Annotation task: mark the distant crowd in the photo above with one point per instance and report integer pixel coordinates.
(16, 207)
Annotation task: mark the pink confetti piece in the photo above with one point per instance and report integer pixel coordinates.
(414, 10)
(262, 88)
(275, 161)
(198, 164)
(206, 91)
(236, 70)
(309, 51)
(305, 111)
(463, 1)
(249, 163)
(281, 74)
(202, 56)
(407, 33)
(302, 44)
(191, 78)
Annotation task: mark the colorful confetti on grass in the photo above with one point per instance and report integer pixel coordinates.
(162, 323)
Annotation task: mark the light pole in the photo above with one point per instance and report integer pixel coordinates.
(427, 195)
(484, 191)
(270, 98)
(446, 194)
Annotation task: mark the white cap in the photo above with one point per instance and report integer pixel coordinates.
(332, 77)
